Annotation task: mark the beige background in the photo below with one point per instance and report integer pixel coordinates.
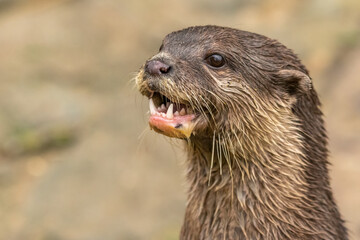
(77, 160)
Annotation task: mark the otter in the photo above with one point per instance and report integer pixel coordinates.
(245, 105)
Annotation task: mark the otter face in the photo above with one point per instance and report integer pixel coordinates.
(206, 78)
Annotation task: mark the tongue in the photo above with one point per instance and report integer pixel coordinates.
(177, 127)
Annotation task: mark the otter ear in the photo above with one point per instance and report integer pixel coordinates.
(293, 81)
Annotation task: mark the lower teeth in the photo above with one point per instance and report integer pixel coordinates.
(167, 110)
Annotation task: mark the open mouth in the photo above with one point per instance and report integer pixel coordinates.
(170, 118)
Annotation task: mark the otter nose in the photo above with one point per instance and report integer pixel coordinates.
(156, 67)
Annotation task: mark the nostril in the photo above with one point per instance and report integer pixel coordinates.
(156, 67)
(165, 69)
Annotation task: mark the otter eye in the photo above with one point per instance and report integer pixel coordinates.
(215, 60)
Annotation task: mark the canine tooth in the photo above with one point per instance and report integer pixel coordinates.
(167, 104)
(182, 112)
(176, 113)
(163, 107)
(152, 107)
(169, 113)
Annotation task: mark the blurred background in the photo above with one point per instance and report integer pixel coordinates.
(77, 160)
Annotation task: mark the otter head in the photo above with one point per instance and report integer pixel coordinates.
(211, 80)
(257, 144)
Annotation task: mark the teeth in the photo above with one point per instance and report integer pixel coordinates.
(152, 107)
(163, 107)
(169, 113)
(168, 107)
(182, 112)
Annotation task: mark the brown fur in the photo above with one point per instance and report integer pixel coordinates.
(257, 159)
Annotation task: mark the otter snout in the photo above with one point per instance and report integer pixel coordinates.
(157, 68)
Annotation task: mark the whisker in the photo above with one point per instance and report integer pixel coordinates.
(212, 158)
(219, 154)
(141, 138)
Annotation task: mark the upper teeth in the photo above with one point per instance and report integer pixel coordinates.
(152, 107)
(168, 108)
(169, 113)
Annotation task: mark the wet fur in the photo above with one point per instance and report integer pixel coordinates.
(257, 161)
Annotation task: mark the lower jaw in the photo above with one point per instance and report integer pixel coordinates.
(178, 127)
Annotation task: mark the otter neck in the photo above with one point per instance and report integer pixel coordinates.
(234, 196)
